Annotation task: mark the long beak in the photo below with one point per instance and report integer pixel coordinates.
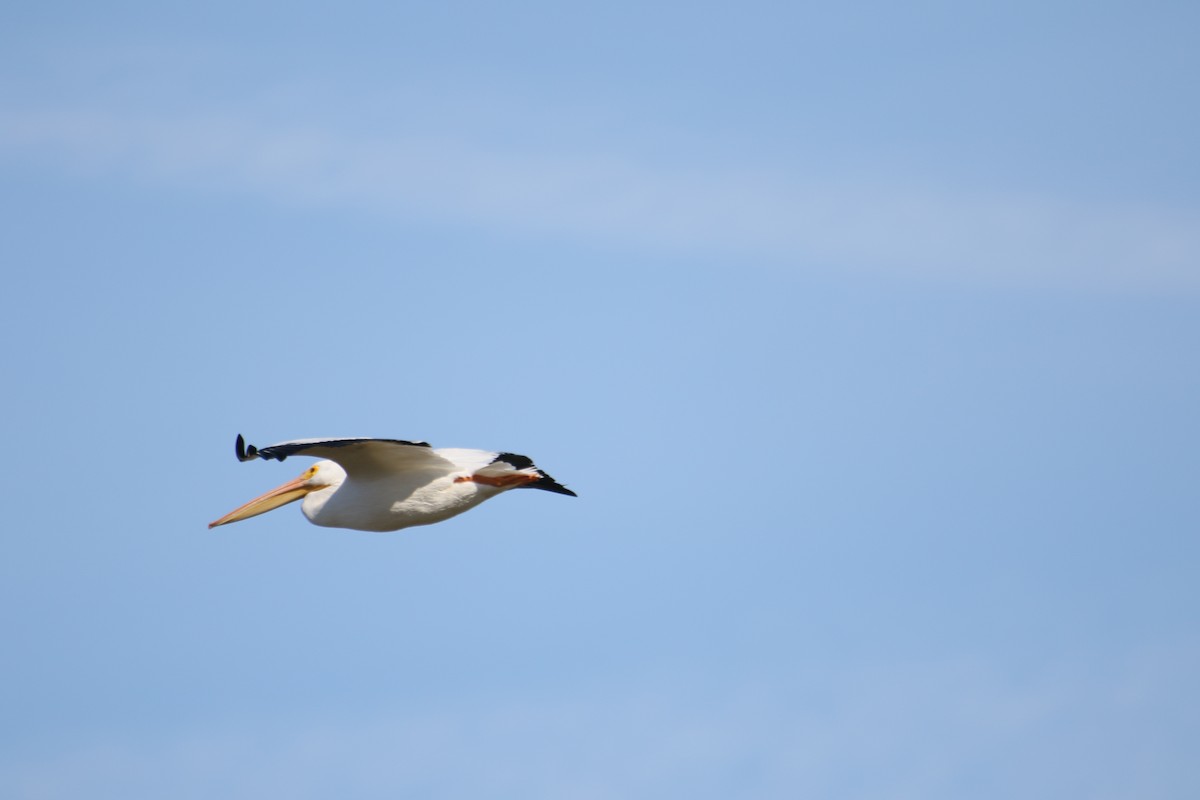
(289, 492)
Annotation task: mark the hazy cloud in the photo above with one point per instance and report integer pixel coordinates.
(823, 222)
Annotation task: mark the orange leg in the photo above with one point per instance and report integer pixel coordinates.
(499, 481)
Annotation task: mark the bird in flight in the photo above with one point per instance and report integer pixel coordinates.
(388, 484)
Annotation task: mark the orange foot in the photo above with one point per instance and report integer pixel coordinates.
(499, 481)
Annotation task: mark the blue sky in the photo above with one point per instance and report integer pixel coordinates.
(866, 334)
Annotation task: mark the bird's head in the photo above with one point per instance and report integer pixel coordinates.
(321, 479)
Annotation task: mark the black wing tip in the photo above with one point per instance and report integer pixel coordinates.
(545, 482)
(550, 485)
(515, 461)
(244, 451)
(248, 452)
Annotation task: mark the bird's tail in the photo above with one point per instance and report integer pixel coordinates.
(525, 464)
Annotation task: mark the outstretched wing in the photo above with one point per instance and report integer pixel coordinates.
(360, 457)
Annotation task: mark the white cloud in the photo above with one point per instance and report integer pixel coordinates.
(824, 222)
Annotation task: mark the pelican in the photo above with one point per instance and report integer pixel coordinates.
(388, 484)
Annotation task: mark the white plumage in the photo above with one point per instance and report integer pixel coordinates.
(388, 484)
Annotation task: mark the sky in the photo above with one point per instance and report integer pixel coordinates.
(865, 332)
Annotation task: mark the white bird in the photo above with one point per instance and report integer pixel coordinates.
(388, 484)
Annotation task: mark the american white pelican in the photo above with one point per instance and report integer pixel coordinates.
(388, 484)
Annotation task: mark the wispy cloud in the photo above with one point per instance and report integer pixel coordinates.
(819, 222)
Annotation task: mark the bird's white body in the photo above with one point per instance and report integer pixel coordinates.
(386, 485)
(389, 503)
